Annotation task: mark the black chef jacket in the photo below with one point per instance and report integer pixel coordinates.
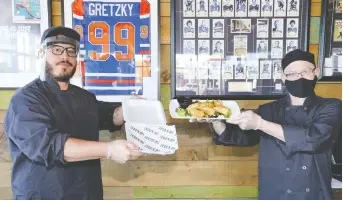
(300, 167)
(39, 120)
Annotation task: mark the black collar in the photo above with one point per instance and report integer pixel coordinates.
(309, 101)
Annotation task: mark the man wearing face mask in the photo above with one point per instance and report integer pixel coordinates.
(53, 129)
(295, 135)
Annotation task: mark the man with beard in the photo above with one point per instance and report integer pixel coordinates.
(53, 129)
(295, 135)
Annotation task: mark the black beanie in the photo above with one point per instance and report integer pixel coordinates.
(297, 55)
(65, 31)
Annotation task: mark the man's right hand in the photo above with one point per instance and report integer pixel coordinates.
(121, 151)
(218, 125)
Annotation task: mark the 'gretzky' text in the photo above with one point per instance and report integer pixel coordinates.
(119, 10)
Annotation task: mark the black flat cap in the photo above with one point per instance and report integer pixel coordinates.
(297, 55)
(65, 31)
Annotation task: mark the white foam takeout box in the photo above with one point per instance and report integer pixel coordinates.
(235, 109)
(146, 126)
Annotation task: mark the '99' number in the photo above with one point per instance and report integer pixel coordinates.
(104, 40)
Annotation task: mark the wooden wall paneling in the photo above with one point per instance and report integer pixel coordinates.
(314, 30)
(181, 173)
(5, 174)
(165, 64)
(232, 153)
(316, 9)
(196, 192)
(165, 30)
(314, 50)
(113, 193)
(6, 193)
(165, 96)
(164, 9)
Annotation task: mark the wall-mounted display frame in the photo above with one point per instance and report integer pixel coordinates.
(232, 49)
(330, 47)
(120, 47)
(21, 25)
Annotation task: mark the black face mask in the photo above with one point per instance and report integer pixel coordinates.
(301, 88)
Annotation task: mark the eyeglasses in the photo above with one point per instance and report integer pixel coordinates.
(294, 76)
(59, 50)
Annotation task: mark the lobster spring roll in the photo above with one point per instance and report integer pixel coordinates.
(208, 110)
(196, 113)
(222, 110)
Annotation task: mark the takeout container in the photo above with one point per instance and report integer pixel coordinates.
(146, 126)
(235, 109)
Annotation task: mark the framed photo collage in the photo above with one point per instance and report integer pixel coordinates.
(331, 41)
(232, 49)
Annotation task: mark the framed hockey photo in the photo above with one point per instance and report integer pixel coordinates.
(189, 28)
(202, 8)
(217, 28)
(277, 49)
(252, 70)
(189, 8)
(203, 47)
(280, 8)
(277, 69)
(203, 28)
(240, 45)
(240, 68)
(338, 6)
(262, 28)
(22, 23)
(189, 47)
(277, 28)
(262, 48)
(218, 47)
(243, 41)
(215, 8)
(241, 8)
(240, 25)
(337, 33)
(265, 69)
(134, 51)
(293, 8)
(254, 8)
(228, 9)
(227, 69)
(291, 45)
(267, 8)
(292, 27)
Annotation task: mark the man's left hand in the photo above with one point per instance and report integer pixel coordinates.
(247, 120)
(118, 118)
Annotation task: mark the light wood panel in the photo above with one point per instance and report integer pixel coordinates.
(165, 30)
(164, 9)
(196, 192)
(316, 9)
(181, 173)
(165, 64)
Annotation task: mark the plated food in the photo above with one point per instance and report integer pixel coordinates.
(214, 109)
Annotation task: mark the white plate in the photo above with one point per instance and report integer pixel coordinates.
(173, 105)
(144, 111)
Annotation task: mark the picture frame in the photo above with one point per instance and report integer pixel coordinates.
(330, 42)
(246, 55)
(144, 68)
(21, 27)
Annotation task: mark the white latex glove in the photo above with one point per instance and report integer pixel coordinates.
(218, 125)
(121, 151)
(247, 120)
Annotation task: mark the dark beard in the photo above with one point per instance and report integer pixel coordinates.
(60, 78)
